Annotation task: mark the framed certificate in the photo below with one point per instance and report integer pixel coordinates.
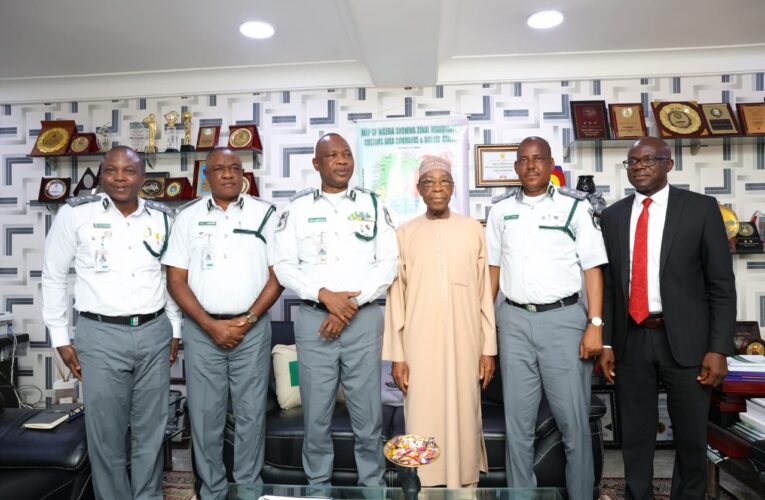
(752, 117)
(627, 121)
(678, 119)
(719, 119)
(201, 186)
(495, 165)
(207, 138)
(589, 119)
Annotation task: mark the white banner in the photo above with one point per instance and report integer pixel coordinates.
(388, 155)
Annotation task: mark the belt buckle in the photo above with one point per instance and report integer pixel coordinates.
(135, 320)
(530, 308)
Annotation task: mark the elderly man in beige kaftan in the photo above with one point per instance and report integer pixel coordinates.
(440, 331)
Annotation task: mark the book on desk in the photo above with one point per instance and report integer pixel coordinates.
(55, 416)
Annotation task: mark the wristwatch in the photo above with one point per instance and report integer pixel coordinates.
(595, 321)
(251, 317)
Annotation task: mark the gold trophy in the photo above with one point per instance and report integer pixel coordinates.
(187, 146)
(171, 117)
(151, 123)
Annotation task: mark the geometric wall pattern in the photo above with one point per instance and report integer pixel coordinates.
(290, 122)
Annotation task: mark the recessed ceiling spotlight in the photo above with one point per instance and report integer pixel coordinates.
(256, 29)
(545, 19)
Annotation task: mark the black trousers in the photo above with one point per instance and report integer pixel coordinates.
(646, 360)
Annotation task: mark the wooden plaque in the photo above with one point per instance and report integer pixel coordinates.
(177, 189)
(153, 188)
(627, 121)
(249, 186)
(54, 189)
(679, 119)
(83, 144)
(54, 138)
(207, 138)
(752, 117)
(244, 137)
(719, 119)
(589, 119)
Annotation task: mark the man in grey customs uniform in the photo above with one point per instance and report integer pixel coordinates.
(219, 272)
(123, 344)
(539, 239)
(336, 249)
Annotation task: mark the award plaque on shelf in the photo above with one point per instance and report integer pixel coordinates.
(244, 137)
(718, 119)
(153, 188)
(627, 121)
(752, 117)
(208, 138)
(678, 119)
(54, 189)
(88, 181)
(748, 239)
(589, 119)
(177, 189)
(201, 187)
(54, 138)
(83, 144)
(249, 186)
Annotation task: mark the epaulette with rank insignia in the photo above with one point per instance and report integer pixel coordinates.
(187, 205)
(81, 200)
(257, 198)
(573, 193)
(160, 207)
(300, 194)
(365, 190)
(510, 192)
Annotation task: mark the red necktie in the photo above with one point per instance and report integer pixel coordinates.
(639, 284)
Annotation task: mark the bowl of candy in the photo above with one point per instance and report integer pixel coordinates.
(411, 450)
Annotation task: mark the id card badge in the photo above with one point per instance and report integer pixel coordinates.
(102, 260)
(208, 255)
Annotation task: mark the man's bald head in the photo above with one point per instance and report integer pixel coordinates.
(659, 146)
(130, 153)
(326, 140)
(543, 144)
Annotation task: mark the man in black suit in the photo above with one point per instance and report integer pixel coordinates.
(669, 308)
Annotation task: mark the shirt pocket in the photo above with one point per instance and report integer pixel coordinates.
(87, 245)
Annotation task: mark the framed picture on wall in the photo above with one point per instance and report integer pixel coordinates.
(609, 423)
(495, 165)
(201, 186)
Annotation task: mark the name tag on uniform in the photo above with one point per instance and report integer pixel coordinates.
(207, 223)
(101, 225)
(317, 219)
(512, 217)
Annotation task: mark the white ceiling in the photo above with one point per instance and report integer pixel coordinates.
(366, 42)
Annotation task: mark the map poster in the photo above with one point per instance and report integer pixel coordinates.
(388, 155)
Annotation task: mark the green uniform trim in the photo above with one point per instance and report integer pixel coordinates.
(565, 228)
(164, 243)
(374, 231)
(258, 233)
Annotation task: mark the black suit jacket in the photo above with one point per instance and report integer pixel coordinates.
(698, 290)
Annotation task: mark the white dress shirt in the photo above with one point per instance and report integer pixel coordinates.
(239, 244)
(135, 280)
(657, 214)
(339, 242)
(542, 244)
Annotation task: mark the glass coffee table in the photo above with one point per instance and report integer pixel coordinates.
(274, 491)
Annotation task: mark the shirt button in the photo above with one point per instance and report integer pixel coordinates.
(337, 234)
(337, 259)
(130, 247)
(133, 275)
(128, 223)
(227, 217)
(225, 236)
(224, 255)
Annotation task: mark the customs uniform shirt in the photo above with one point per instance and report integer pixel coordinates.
(542, 244)
(342, 242)
(116, 259)
(226, 252)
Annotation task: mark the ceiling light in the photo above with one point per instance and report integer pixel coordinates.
(545, 19)
(256, 29)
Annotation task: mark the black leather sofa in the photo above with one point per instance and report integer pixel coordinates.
(51, 465)
(284, 439)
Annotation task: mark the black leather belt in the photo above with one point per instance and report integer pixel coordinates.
(319, 305)
(653, 321)
(136, 320)
(227, 316)
(538, 308)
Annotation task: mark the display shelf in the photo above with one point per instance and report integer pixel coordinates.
(694, 143)
(151, 158)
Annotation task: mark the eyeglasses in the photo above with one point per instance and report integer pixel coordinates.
(646, 161)
(524, 162)
(429, 182)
